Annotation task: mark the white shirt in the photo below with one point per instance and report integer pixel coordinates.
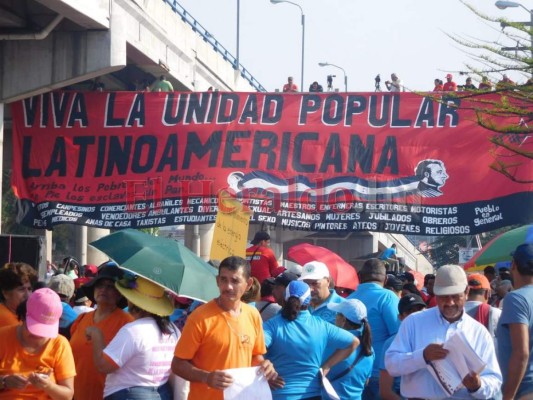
(396, 86)
(405, 355)
(143, 354)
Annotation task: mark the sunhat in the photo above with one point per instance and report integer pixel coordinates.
(145, 294)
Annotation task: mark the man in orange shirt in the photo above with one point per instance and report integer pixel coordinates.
(262, 259)
(224, 333)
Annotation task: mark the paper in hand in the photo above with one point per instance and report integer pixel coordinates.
(247, 385)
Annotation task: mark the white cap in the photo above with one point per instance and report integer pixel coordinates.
(314, 270)
(353, 309)
(450, 279)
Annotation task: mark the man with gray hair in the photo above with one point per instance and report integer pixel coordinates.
(420, 342)
(316, 275)
(382, 307)
(395, 84)
(515, 329)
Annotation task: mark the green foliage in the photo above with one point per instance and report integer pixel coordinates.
(513, 51)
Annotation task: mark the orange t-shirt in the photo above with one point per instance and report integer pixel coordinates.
(212, 339)
(56, 356)
(7, 317)
(89, 383)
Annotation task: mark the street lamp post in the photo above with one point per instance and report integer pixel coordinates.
(325, 64)
(502, 5)
(303, 34)
(237, 60)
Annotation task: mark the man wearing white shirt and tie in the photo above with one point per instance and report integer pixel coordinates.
(422, 335)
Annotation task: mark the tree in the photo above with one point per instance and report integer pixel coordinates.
(507, 111)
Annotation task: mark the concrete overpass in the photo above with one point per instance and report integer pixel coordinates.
(53, 44)
(48, 45)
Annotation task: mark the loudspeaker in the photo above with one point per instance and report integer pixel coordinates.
(21, 248)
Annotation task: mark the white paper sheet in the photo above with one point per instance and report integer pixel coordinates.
(460, 361)
(330, 391)
(247, 385)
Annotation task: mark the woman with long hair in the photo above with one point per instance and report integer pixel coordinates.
(137, 361)
(296, 343)
(35, 361)
(349, 377)
(108, 317)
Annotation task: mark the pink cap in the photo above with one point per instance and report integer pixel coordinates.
(43, 312)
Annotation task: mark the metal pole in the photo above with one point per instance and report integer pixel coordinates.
(238, 32)
(303, 48)
(531, 31)
(345, 83)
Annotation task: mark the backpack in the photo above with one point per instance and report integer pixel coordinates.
(481, 313)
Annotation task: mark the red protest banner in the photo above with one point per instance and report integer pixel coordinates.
(401, 163)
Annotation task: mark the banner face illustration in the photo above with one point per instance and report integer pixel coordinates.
(398, 163)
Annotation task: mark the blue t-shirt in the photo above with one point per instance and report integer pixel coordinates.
(382, 310)
(517, 308)
(68, 316)
(323, 311)
(388, 253)
(296, 349)
(351, 385)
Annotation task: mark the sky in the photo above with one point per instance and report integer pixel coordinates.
(364, 37)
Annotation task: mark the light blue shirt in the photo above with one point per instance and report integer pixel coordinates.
(296, 348)
(405, 355)
(323, 311)
(68, 316)
(382, 310)
(517, 309)
(351, 385)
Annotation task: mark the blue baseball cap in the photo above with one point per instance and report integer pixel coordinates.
(523, 254)
(300, 290)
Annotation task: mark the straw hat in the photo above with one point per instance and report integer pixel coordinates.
(146, 295)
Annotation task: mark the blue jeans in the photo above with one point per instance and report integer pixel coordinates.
(162, 392)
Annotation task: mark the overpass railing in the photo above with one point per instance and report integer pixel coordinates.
(217, 46)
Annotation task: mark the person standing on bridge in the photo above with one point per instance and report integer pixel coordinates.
(162, 85)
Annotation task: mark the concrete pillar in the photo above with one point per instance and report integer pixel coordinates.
(95, 256)
(206, 239)
(49, 245)
(198, 238)
(81, 244)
